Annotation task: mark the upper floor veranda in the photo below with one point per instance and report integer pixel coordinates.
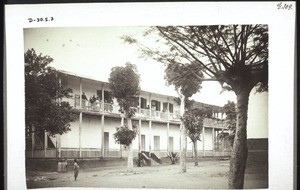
(93, 96)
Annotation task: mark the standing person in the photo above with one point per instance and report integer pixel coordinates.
(84, 100)
(76, 169)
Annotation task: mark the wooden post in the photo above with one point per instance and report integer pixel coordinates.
(32, 142)
(203, 141)
(80, 115)
(150, 135)
(223, 143)
(102, 95)
(102, 136)
(168, 126)
(58, 144)
(139, 131)
(80, 127)
(121, 146)
(150, 122)
(45, 143)
(213, 141)
(168, 137)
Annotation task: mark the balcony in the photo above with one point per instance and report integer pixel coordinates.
(99, 107)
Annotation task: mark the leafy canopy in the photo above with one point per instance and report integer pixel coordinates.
(234, 55)
(43, 110)
(193, 121)
(124, 83)
(231, 114)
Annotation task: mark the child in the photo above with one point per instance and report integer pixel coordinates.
(76, 169)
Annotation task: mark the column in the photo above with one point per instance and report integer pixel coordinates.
(80, 128)
(203, 139)
(32, 142)
(102, 135)
(80, 116)
(223, 143)
(168, 137)
(45, 143)
(150, 122)
(58, 145)
(139, 110)
(139, 133)
(150, 135)
(213, 141)
(122, 124)
(102, 96)
(168, 126)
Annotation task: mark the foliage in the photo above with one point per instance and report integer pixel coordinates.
(173, 157)
(230, 110)
(43, 110)
(234, 55)
(193, 121)
(124, 83)
(124, 135)
(178, 74)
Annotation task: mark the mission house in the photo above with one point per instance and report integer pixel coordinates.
(157, 119)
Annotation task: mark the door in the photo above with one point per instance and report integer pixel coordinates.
(106, 142)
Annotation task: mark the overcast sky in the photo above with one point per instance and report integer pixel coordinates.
(92, 52)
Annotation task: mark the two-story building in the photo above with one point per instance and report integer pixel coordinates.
(91, 135)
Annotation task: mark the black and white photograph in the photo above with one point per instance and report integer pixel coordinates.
(159, 103)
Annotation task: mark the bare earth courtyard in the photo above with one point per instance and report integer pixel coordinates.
(210, 174)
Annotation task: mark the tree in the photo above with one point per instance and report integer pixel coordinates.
(193, 120)
(234, 55)
(186, 85)
(43, 109)
(230, 111)
(124, 83)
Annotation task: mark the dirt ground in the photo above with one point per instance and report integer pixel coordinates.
(210, 174)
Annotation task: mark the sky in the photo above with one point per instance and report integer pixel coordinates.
(93, 51)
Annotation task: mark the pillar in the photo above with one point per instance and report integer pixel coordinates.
(168, 137)
(150, 135)
(102, 96)
(45, 143)
(32, 142)
(139, 133)
(203, 141)
(102, 135)
(80, 129)
(213, 141)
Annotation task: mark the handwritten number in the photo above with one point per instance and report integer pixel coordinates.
(41, 19)
(284, 6)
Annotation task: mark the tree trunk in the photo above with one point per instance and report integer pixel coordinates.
(130, 151)
(195, 153)
(239, 154)
(183, 139)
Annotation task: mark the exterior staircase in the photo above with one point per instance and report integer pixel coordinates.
(150, 158)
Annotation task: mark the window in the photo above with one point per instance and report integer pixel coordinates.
(165, 106)
(171, 108)
(143, 103)
(107, 96)
(155, 105)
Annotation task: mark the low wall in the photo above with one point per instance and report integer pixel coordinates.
(50, 164)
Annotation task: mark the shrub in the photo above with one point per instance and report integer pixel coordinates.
(173, 157)
(124, 135)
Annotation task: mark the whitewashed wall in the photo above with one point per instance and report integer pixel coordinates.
(91, 132)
